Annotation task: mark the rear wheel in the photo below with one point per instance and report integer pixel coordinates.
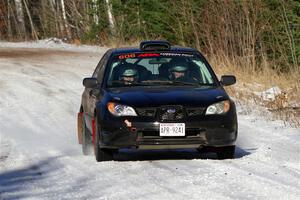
(225, 152)
(100, 153)
(86, 139)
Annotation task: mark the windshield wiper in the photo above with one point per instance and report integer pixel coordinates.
(159, 82)
(163, 82)
(169, 82)
(185, 83)
(123, 84)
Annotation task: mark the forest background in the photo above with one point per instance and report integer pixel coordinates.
(257, 40)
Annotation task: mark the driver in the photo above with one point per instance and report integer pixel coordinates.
(178, 72)
(129, 76)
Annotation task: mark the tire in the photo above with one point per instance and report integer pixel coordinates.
(225, 152)
(86, 139)
(100, 153)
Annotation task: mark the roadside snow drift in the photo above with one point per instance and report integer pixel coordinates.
(40, 90)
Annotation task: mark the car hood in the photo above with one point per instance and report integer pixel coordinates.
(153, 97)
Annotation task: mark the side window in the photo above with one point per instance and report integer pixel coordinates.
(99, 66)
(96, 70)
(206, 76)
(100, 72)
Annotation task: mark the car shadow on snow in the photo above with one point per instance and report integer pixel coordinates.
(13, 183)
(32, 181)
(182, 154)
(240, 152)
(42, 180)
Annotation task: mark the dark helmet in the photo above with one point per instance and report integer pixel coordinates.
(130, 73)
(179, 68)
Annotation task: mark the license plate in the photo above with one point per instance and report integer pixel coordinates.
(172, 129)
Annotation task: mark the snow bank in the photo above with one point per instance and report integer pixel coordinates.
(51, 43)
(271, 94)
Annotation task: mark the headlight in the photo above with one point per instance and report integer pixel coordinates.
(218, 108)
(120, 110)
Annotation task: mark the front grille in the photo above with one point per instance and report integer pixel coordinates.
(171, 113)
(194, 111)
(150, 133)
(165, 116)
(146, 112)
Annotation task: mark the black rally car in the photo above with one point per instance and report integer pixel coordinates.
(156, 96)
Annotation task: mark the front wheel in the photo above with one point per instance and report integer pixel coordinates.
(100, 153)
(225, 152)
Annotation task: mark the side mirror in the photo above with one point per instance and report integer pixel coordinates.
(228, 80)
(90, 82)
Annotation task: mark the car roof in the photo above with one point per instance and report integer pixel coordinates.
(138, 50)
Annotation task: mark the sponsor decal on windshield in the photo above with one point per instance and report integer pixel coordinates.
(125, 56)
(177, 54)
(140, 55)
(144, 55)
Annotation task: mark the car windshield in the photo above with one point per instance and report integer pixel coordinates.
(155, 69)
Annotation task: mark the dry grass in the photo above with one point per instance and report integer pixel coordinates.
(252, 82)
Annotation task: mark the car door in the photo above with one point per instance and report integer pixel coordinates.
(92, 94)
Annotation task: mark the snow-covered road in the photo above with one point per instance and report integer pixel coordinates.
(40, 91)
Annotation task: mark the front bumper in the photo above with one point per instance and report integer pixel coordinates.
(212, 131)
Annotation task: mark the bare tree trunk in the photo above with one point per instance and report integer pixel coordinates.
(20, 18)
(59, 19)
(65, 21)
(110, 18)
(76, 16)
(43, 17)
(86, 17)
(52, 5)
(95, 12)
(2, 20)
(33, 32)
(8, 21)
